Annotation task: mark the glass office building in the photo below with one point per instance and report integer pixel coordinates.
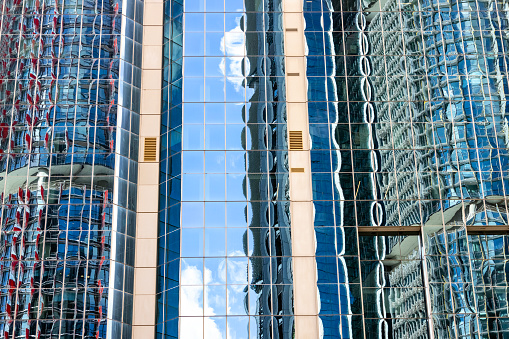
(225, 212)
(254, 169)
(70, 97)
(412, 97)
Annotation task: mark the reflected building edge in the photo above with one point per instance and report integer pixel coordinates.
(270, 258)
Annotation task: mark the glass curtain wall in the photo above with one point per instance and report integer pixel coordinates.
(224, 246)
(69, 96)
(168, 254)
(407, 113)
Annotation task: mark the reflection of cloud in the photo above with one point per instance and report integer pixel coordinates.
(237, 271)
(191, 298)
(234, 43)
(197, 301)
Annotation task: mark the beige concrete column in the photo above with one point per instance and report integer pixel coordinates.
(144, 317)
(301, 193)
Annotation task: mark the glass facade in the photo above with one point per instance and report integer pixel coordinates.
(224, 246)
(409, 168)
(408, 122)
(69, 95)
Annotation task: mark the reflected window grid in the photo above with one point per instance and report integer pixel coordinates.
(406, 155)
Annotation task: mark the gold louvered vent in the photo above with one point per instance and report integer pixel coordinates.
(296, 141)
(150, 149)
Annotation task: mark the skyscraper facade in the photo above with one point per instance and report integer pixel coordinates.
(254, 169)
(70, 99)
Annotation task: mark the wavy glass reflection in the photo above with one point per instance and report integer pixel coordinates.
(225, 248)
(408, 122)
(69, 97)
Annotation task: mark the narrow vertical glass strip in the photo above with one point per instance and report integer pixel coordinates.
(168, 259)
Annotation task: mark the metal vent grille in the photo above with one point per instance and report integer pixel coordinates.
(150, 149)
(296, 140)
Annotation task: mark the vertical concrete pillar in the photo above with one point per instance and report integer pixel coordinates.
(301, 192)
(145, 273)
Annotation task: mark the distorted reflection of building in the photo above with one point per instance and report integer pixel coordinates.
(403, 177)
(442, 142)
(449, 125)
(404, 174)
(343, 161)
(406, 298)
(267, 178)
(68, 198)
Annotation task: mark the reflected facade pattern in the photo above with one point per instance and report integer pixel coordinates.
(224, 234)
(69, 96)
(407, 112)
(408, 126)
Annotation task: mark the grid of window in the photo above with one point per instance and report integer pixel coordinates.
(69, 100)
(407, 112)
(233, 226)
(168, 259)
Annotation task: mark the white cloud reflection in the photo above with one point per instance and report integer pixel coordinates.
(233, 44)
(192, 325)
(199, 305)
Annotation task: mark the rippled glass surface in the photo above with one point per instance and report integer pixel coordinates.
(408, 123)
(225, 251)
(69, 101)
